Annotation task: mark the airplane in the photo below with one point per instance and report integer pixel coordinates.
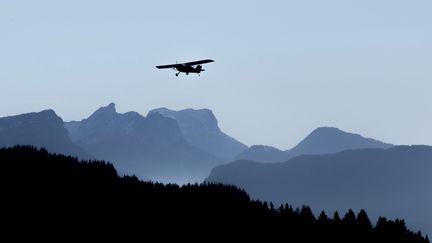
(187, 67)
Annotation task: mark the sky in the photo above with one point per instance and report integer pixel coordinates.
(282, 68)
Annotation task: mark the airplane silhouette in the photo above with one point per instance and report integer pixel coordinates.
(187, 67)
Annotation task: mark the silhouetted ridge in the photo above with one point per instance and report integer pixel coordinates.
(200, 128)
(40, 129)
(326, 140)
(106, 110)
(49, 194)
(149, 147)
(323, 140)
(393, 182)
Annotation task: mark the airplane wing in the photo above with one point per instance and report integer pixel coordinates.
(198, 62)
(168, 66)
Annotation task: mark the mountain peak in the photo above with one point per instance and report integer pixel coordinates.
(191, 119)
(40, 129)
(44, 115)
(48, 114)
(161, 110)
(322, 140)
(326, 129)
(104, 112)
(200, 128)
(323, 131)
(330, 140)
(110, 108)
(201, 115)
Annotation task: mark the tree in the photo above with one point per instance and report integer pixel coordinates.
(336, 217)
(350, 218)
(363, 221)
(323, 218)
(307, 215)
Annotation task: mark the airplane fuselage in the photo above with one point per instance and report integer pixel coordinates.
(189, 69)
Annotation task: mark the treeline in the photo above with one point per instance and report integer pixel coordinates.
(45, 194)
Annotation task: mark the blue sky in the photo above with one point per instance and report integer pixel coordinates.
(282, 68)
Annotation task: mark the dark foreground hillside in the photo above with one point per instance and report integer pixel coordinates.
(46, 195)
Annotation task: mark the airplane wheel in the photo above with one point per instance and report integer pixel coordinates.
(176, 74)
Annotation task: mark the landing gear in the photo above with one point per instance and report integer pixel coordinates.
(187, 73)
(177, 74)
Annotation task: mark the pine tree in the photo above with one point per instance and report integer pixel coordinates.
(350, 218)
(323, 218)
(336, 217)
(363, 221)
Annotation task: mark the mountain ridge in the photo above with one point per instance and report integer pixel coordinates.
(54, 192)
(150, 147)
(322, 140)
(40, 129)
(200, 128)
(392, 181)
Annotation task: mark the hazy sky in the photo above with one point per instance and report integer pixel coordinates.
(282, 68)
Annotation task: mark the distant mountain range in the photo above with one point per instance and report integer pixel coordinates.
(394, 182)
(330, 169)
(167, 145)
(170, 146)
(200, 128)
(152, 147)
(323, 140)
(40, 129)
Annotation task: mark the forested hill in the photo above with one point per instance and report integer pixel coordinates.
(49, 194)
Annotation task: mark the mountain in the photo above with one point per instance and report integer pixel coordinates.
(150, 147)
(44, 193)
(323, 140)
(72, 126)
(394, 182)
(327, 140)
(263, 153)
(40, 129)
(200, 128)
